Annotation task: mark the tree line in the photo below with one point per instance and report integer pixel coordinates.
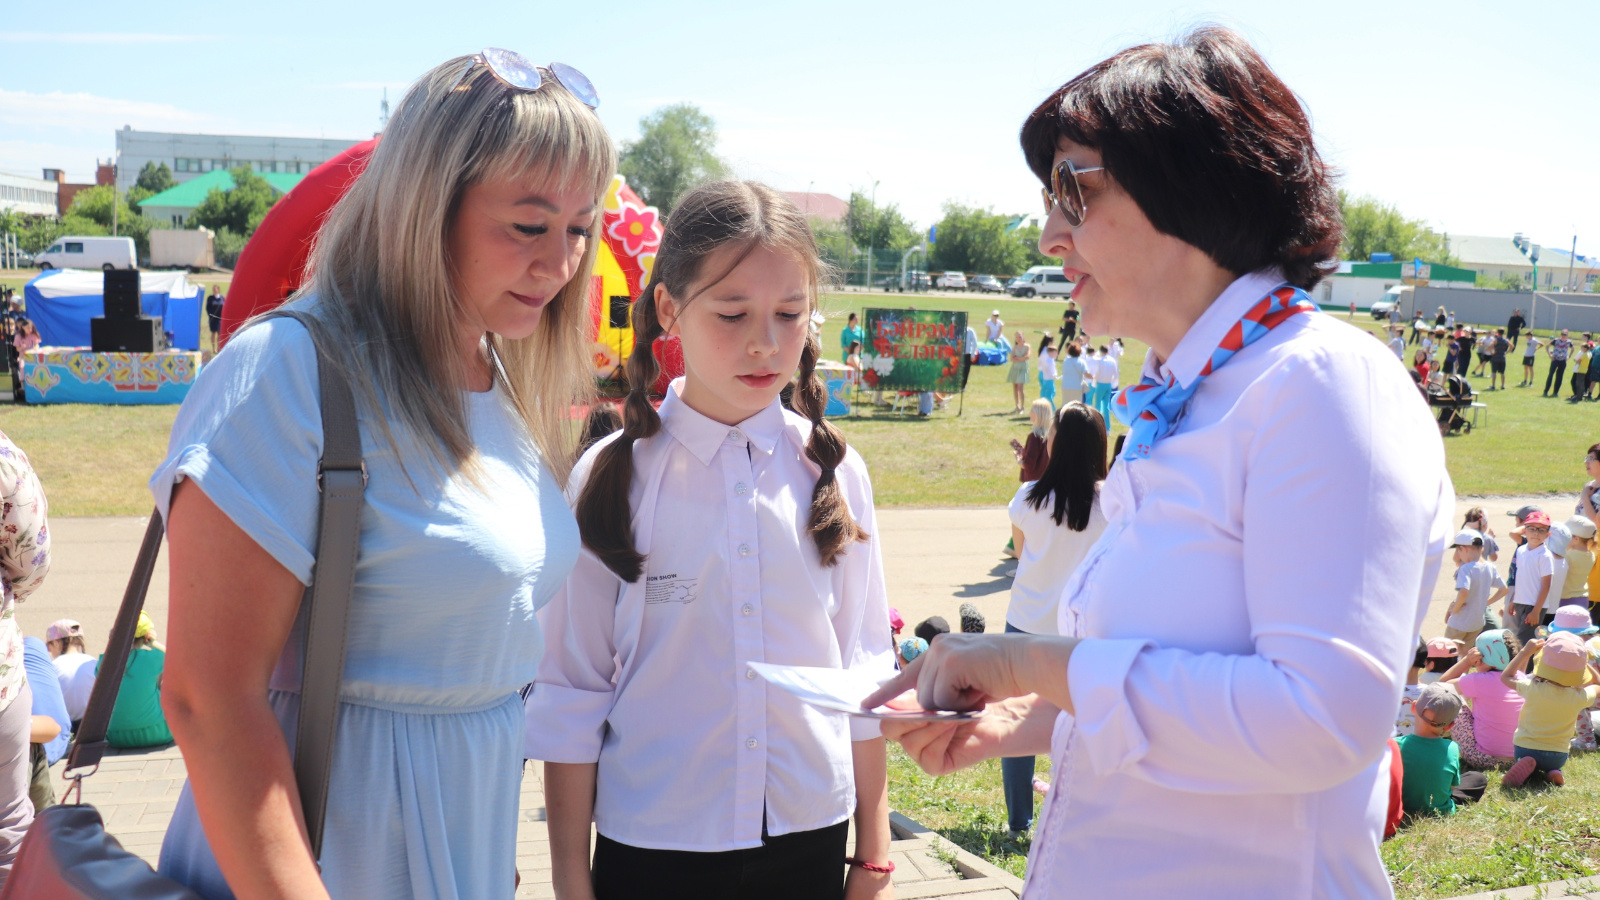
(677, 150)
(234, 215)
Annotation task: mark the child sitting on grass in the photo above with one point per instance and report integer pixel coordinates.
(1475, 578)
(1442, 654)
(1405, 721)
(1575, 620)
(1562, 685)
(1483, 730)
(1432, 783)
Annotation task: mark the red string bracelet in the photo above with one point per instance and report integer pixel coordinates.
(885, 869)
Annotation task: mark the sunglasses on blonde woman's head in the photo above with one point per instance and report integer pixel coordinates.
(1065, 192)
(514, 69)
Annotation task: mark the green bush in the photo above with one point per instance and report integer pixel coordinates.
(226, 247)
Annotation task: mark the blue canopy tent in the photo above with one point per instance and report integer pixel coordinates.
(61, 302)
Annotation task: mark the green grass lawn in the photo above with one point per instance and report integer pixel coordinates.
(1508, 839)
(967, 807)
(1526, 445)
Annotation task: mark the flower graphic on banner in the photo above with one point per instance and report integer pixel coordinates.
(883, 365)
(42, 379)
(638, 229)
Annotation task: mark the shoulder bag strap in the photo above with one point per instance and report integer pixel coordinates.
(342, 481)
(89, 743)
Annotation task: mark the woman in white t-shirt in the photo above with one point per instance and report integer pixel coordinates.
(1054, 522)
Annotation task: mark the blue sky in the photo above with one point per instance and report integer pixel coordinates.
(1482, 118)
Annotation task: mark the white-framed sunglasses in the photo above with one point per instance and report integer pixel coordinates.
(514, 69)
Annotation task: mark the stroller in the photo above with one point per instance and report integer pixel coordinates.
(1450, 399)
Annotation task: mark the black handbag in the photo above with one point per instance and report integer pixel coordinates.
(67, 853)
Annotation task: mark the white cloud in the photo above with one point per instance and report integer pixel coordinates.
(60, 111)
(97, 37)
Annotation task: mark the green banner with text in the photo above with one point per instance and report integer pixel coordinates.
(913, 350)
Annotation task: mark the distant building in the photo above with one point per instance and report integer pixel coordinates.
(826, 207)
(1364, 284)
(1500, 257)
(176, 204)
(1027, 220)
(190, 156)
(66, 191)
(27, 195)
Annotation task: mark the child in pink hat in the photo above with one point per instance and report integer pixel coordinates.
(1562, 685)
(1575, 620)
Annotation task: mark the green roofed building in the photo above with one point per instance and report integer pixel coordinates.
(176, 204)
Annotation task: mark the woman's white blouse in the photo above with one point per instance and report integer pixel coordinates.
(650, 679)
(1248, 618)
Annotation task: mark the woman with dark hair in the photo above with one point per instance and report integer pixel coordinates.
(1054, 522)
(1218, 700)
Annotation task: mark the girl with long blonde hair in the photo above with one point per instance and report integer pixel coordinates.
(449, 286)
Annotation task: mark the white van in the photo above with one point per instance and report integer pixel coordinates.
(87, 253)
(1041, 281)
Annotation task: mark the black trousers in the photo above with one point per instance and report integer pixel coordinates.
(807, 865)
(1558, 370)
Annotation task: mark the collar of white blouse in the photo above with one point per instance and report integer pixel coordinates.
(702, 436)
(1207, 332)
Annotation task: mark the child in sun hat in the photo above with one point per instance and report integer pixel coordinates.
(1476, 577)
(1483, 730)
(1580, 562)
(1562, 685)
(1575, 620)
(909, 649)
(1442, 655)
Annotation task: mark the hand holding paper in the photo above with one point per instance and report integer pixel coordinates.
(842, 690)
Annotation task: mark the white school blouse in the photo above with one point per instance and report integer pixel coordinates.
(649, 679)
(1248, 618)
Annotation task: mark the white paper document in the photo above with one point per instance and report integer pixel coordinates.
(842, 690)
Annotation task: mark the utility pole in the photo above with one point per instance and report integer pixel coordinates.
(1571, 258)
(114, 203)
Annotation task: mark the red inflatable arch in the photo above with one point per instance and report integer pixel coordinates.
(274, 262)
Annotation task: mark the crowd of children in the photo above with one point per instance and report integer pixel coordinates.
(1085, 372)
(1448, 349)
(1514, 693)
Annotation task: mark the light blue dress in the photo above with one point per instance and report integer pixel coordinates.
(428, 761)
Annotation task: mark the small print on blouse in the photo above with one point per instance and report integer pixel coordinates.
(670, 588)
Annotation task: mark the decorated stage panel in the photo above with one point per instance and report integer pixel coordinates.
(79, 375)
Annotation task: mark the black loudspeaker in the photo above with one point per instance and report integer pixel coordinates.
(122, 293)
(618, 314)
(141, 334)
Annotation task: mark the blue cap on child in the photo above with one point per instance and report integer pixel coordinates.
(1496, 652)
(911, 648)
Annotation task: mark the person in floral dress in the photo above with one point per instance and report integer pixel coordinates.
(24, 560)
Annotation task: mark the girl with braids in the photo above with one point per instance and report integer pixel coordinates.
(720, 531)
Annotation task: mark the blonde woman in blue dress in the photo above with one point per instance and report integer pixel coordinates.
(451, 283)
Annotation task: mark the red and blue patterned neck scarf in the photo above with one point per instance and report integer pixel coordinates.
(1150, 408)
